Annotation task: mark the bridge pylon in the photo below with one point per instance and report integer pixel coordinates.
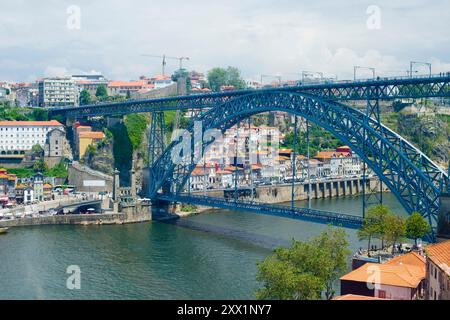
(157, 142)
(372, 195)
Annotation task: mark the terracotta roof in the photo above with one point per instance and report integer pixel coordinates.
(285, 150)
(233, 168)
(412, 258)
(439, 254)
(282, 158)
(31, 123)
(222, 172)
(198, 172)
(139, 83)
(331, 154)
(83, 127)
(355, 297)
(404, 271)
(92, 135)
(161, 77)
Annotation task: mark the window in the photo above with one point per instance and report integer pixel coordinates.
(382, 294)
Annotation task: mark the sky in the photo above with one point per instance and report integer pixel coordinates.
(56, 38)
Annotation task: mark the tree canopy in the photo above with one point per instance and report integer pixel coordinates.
(381, 223)
(85, 97)
(231, 76)
(306, 269)
(417, 227)
(101, 92)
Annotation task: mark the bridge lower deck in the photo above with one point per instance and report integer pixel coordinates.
(313, 215)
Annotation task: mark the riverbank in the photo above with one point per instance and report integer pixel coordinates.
(80, 219)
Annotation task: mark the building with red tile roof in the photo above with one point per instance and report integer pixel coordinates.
(438, 271)
(401, 278)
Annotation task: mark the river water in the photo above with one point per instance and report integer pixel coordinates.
(208, 256)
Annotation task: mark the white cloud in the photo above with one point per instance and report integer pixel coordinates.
(259, 37)
(52, 71)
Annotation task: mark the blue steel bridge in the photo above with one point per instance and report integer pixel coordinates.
(415, 180)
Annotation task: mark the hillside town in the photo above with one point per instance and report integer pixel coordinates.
(46, 160)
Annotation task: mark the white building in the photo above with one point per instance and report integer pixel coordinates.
(23, 135)
(58, 92)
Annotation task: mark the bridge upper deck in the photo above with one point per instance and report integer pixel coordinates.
(379, 88)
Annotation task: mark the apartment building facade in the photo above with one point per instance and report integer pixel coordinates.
(23, 135)
(58, 92)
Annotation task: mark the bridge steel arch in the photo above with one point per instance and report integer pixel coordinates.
(413, 178)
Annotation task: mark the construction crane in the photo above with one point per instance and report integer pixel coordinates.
(180, 59)
(164, 57)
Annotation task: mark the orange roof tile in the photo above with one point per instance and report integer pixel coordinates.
(92, 135)
(439, 254)
(285, 150)
(405, 271)
(233, 168)
(331, 154)
(412, 258)
(31, 123)
(160, 77)
(139, 83)
(222, 172)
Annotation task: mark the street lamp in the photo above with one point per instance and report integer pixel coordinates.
(356, 68)
(413, 63)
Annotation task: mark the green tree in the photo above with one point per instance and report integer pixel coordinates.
(374, 225)
(395, 229)
(234, 78)
(58, 171)
(40, 166)
(335, 246)
(136, 124)
(85, 97)
(37, 150)
(39, 114)
(101, 93)
(282, 281)
(217, 77)
(306, 269)
(417, 227)
(231, 76)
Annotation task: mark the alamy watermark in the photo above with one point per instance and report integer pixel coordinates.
(374, 18)
(73, 282)
(73, 17)
(259, 147)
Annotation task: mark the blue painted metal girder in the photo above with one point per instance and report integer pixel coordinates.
(409, 174)
(313, 215)
(384, 89)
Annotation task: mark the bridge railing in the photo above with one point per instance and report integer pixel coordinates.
(370, 80)
(314, 214)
